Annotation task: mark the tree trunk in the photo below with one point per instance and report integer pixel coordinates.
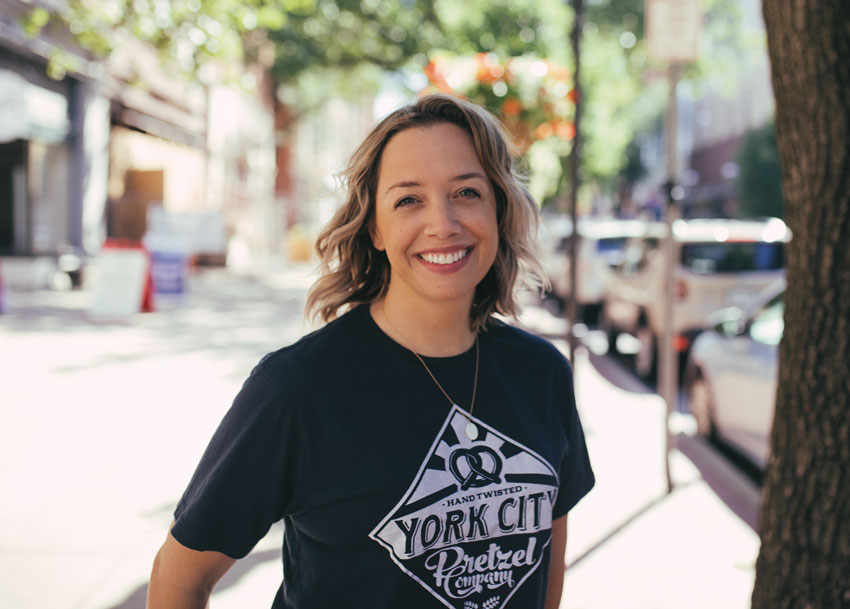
(805, 520)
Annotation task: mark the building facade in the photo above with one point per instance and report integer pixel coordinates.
(86, 155)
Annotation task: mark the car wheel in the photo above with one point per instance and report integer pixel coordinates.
(646, 358)
(699, 400)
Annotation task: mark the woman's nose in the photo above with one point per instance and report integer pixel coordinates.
(442, 220)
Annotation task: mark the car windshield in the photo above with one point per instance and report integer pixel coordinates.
(611, 244)
(732, 257)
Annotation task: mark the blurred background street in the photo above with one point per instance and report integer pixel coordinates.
(165, 168)
(104, 424)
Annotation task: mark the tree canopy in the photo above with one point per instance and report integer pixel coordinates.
(313, 36)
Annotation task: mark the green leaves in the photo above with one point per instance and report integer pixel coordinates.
(35, 21)
(188, 32)
(345, 33)
(760, 175)
(318, 44)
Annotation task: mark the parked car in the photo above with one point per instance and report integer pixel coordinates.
(730, 378)
(718, 263)
(601, 247)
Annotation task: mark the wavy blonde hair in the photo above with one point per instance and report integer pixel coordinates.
(353, 272)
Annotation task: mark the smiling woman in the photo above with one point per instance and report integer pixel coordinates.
(355, 273)
(390, 496)
(435, 219)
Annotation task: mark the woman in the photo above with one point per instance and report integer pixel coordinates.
(420, 453)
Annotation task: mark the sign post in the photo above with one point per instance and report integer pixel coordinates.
(575, 162)
(672, 31)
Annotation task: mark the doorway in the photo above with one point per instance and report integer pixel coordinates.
(14, 221)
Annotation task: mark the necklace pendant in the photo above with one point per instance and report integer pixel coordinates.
(471, 431)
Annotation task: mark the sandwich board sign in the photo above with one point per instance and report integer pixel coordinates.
(120, 283)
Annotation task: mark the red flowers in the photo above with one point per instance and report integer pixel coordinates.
(534, 97)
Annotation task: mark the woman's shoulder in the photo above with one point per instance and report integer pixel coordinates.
(284, 380)
(336, 341)
(520, 344)
(504, 332)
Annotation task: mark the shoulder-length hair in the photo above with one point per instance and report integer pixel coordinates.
(353, 272)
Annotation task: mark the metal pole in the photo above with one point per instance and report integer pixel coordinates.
(575, 158)
(667, 369)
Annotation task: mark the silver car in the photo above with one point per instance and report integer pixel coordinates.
(730, 379)
(601, 249)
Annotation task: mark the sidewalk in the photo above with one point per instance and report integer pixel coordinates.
(631, 545)
(103, 424)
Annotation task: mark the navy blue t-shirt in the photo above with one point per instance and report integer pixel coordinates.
(385, 500)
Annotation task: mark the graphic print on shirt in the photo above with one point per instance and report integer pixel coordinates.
(477, 518)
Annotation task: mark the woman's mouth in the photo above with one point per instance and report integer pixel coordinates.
(444, 258)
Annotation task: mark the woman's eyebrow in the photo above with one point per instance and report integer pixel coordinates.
(458, 178)
(407, 184)
(467, 176)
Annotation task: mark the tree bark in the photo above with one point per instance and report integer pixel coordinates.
(804, 561)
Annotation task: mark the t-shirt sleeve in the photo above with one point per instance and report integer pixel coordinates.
(244, 479)
(575, 473)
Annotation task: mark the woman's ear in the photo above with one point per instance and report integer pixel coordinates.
(375, 236)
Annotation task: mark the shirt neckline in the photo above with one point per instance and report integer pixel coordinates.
(451, 360)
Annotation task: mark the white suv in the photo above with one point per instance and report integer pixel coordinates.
(601, 247)
(719, 263)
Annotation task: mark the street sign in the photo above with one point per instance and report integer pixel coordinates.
(673, 30)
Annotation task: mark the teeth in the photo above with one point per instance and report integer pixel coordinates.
(444, 258)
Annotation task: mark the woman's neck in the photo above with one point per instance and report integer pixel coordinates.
(435, 331)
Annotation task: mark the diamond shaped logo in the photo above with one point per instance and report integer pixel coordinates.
(475, 521)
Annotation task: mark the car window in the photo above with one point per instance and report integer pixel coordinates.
(651, 243)
(768, 324)
(632, 260)
(611, 244)
(732, 257)
(610, 250)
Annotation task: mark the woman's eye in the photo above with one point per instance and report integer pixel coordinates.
(405, 201)
(469, 193)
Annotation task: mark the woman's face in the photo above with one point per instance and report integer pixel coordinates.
(435, 216)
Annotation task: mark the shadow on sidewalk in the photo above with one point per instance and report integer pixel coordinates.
(731, 479)
(733, 487)
(241, 317)
(613, 371)
(621, 527)
(739, 493)
(136, 599)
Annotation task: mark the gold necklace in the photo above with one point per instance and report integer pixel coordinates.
(471, 429)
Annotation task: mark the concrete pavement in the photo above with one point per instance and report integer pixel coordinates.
(631, 544)
(104, 423)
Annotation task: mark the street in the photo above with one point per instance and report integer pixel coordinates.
(103, 425)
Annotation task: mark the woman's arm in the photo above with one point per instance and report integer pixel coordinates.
(183, 578)
(557, 563)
